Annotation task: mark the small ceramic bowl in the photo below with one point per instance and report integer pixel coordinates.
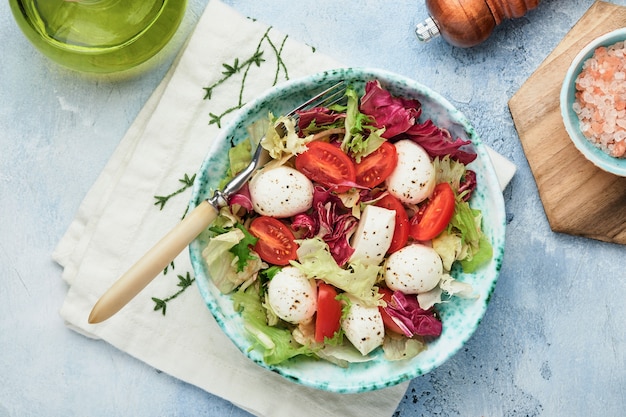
(460, 316)
(593, 153)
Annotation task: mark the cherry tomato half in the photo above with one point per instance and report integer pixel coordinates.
(328, 165)
(436, 214)
(276, 244)
(387, 320)
(328, 316)
(401, 231)
(377, 166)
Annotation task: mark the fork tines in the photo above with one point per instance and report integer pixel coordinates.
(328, 97)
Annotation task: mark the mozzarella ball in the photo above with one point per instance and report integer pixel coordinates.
(373, 235)
(413, 179)
(363, 326)
(414, 269)
(280, 192)
(292, 295)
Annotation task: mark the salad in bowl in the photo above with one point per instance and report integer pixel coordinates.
(364, 253)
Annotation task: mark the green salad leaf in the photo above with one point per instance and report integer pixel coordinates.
(463, 240)
(448, 170)
(277, 344)
(481, 255)
(223, 261)
(361, 138)
(316, 261)
(287, 145)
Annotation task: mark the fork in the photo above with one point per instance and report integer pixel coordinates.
(172, 244)
(326, 98)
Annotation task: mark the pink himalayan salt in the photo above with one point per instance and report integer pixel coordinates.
(601, 99)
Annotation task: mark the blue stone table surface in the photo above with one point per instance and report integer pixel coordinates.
(553, 341)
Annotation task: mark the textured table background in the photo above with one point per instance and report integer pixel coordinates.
(553, 341)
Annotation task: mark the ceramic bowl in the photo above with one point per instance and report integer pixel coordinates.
(460, 316)
(594, 154)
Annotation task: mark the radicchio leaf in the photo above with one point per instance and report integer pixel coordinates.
(395, 114)
(306, 224)
(242, 198)
(400, 118)
(330, 221)
(411, 318)
(439, 142)
(335, 229)
(468, 185)
(320, 116)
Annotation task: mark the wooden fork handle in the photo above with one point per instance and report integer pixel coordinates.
(153, 262)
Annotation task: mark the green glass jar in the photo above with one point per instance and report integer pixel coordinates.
(99, 36)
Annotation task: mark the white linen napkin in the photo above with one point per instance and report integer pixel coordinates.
(168, 325)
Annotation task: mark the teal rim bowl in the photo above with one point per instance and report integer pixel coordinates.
(460, 316)
(590, 151)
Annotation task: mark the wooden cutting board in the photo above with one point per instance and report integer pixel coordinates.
(578, 198)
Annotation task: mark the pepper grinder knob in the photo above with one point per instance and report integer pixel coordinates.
(427, 30)
(467, 23)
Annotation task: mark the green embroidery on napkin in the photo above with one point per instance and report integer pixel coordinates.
(243, 66)
(184, 282)
(167, 268)
(230, 70)
(240, 67)
(187, 181)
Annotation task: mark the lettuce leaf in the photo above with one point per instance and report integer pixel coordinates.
(482, 254)
(318, 119)
(461, 179)
(343, 355)
(448, 285)
(242, 250)
(361, 137)
(450, 248)
(239, 157)
(316, 261)
(463, 240)
(277, 344)
(288, 145)
(450, 171)
(454, 287)
(467, 221)
(222, 263)
(398, 348)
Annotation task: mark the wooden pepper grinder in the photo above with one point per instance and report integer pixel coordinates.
(467, 23)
